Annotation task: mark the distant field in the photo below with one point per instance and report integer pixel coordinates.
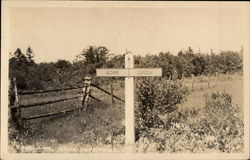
(232, 85)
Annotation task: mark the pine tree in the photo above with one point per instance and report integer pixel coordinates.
(30, 55)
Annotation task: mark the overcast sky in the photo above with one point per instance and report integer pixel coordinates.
(61, 33)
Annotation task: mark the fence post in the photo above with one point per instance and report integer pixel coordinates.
(86, 91)
(216, 78)
(201, 81)
(182, 77)
(192, 87)
(16, 111)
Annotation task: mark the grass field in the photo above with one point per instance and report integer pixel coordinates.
(101, 128)
(232, 85)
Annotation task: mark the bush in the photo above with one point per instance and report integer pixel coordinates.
(211, 132)
(225, 119)
(157, 96)
(219, 109)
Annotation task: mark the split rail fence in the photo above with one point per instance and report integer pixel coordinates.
(16, 111)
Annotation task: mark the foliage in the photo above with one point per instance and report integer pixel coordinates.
(199, 64)
(92, 58)
(63, 73)
(93, 54)
(219, 128)
(157, 96)
(30, 55)
(218, 104)
(116, 61)
(230, 61)
(21, 66)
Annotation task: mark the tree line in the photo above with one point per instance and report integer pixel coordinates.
(62, 73)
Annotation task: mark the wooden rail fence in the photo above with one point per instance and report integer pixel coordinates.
(16, 108)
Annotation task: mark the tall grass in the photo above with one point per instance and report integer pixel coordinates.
(99, 125)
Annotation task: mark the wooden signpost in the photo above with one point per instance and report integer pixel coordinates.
(129, 72)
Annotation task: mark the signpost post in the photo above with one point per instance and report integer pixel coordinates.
(129, 105)
(129, 72)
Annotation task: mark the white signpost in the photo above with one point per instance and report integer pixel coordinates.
(129, 72)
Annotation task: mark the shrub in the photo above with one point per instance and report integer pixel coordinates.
(211, 132)
(157, 96)
(225, 119)
(219, 109)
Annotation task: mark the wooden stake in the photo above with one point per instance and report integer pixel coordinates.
(16, 93)
(16, 111)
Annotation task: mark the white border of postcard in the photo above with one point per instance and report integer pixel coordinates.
(6, 5)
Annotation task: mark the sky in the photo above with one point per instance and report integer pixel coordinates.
(63, 32)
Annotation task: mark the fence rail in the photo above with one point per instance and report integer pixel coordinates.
(107, 92)
(45, 103)
(60, 112)
(98, 100)
(51, 114)
(47, 91)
